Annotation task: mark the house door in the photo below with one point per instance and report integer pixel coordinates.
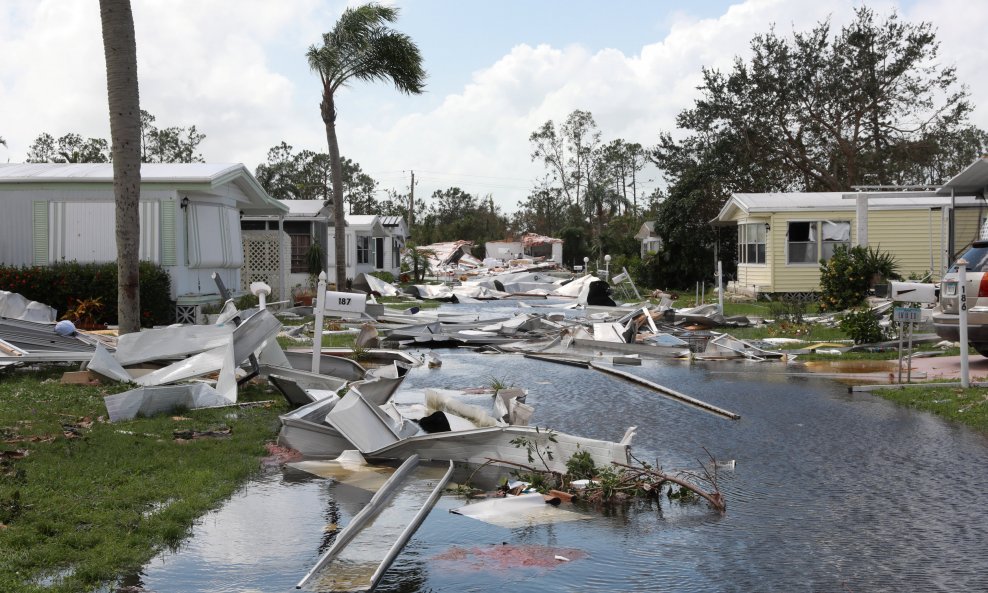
(379, 252)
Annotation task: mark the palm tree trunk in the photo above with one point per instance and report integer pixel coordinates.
(120, 52)
(328, 108)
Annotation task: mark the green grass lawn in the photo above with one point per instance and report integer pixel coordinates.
(84, 501)
(966, 406)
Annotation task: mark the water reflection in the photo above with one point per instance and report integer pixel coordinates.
(831, 492)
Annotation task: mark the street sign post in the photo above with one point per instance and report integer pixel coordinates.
(902, 316)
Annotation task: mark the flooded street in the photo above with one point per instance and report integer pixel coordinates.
(830, 492)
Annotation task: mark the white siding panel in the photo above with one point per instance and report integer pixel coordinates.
(83, 231)
(86, 231)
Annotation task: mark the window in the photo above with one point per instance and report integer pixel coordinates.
(363, 250)
(300, 252)
(751, 243)
(811, 241)
(834, 234)
(395, 254)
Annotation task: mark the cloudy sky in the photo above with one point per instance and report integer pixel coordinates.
(497, 70)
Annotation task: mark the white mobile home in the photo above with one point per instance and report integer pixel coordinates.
(190, 219)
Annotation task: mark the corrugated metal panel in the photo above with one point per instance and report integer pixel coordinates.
(40, 234)
(214, 237)
(168, 235)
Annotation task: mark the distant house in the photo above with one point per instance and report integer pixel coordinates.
(400, 234)
(650, 242)
(190, 220)
(277, 247)
(530, 245)
(369, 246)
(783, 237)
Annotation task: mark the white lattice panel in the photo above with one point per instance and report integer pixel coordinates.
(262, 262)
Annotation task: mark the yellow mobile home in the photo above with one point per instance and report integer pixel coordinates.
(783, 237)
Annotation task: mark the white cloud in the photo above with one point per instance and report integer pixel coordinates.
(236, 70)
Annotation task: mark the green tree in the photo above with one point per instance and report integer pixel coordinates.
(568, 153)
(865, 106)
(360, 47)
(169, 145)
(70, 148)
(120, 52)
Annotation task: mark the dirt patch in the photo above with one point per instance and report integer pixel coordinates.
(278, 455)
(506, 556)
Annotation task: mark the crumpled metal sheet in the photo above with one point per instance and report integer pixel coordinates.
(146, 401)
(170, 342)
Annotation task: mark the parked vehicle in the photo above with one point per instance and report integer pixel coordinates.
(945, 316)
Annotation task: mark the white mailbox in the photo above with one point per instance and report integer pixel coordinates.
(913, 292)
(344, 304)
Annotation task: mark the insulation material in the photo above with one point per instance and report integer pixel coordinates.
(518, 511)
(16, 306)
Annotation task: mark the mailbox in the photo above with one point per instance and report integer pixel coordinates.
(913, 292)
(344, 304)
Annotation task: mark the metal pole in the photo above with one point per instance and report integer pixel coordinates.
(901, 331)
(317, 329)
(909, 355)
(696, 297)
(720, 288)
(962, 319)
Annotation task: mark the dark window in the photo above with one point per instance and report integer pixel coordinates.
(300, 252)
(363, 250)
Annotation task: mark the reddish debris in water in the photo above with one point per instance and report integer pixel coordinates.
(506, 556)
(278, 455)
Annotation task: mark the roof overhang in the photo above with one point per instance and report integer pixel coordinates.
(973, 180)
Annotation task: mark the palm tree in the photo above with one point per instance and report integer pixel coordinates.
(360, 47)
(120, 52)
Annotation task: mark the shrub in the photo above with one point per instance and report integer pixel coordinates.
(789, 309)
(63, 285)
(862, 327)
(846, 278)
(384, 275)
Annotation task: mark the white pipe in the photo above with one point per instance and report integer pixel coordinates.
(962, 319)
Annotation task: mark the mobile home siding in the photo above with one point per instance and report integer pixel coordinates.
(966, 229)
(916, 251)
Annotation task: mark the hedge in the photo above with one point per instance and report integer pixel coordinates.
(62, 285)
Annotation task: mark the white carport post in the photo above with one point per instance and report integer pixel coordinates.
(318, 323)
(962, 319)
(861, 219)
(284, 293)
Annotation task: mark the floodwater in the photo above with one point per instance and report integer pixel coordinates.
(831, 491)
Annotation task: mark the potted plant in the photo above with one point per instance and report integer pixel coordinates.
(84, 314)
(302, 295)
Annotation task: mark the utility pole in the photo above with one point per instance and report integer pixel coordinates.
(411, 203)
